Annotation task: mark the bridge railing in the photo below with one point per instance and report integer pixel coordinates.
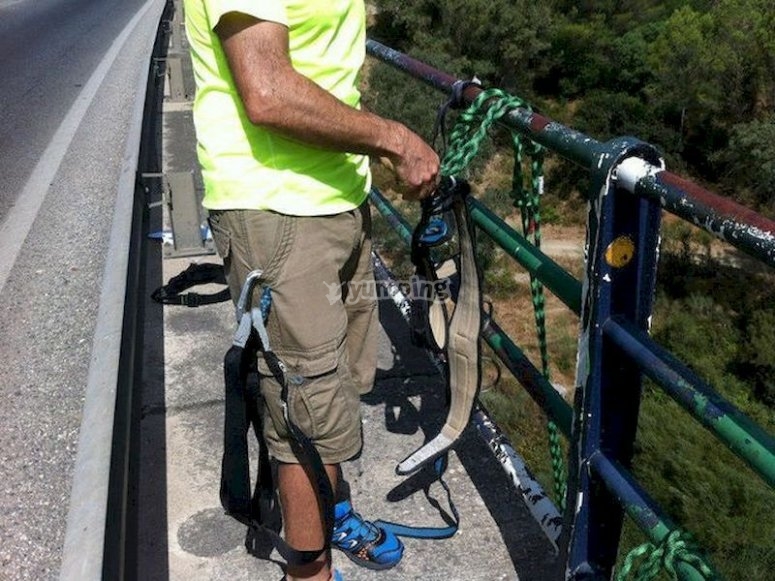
(629, 189)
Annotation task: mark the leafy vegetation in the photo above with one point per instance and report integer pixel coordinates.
(694, 77)
(697, 79)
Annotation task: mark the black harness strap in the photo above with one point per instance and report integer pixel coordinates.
(455, 101)
(241, 412)
(195, 274)
(429, 313)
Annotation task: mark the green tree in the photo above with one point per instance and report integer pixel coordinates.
(749, 163)
(746, 28)
(712, 70)
(499, 41)
(757, 354)
(579, 57)
(684, 85)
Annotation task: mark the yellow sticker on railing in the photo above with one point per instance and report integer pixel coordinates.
(620, 252)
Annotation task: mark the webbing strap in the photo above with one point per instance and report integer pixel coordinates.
(403, 304)
(419, 532)
(462, 343)
(242, 412)
(195, 274)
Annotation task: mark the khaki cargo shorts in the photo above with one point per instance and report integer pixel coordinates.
(322, 322)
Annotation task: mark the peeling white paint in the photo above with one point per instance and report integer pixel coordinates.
(761, 234)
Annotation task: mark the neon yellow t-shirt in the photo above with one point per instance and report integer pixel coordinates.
(247, 167)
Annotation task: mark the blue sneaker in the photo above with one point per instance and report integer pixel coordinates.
(362, 541)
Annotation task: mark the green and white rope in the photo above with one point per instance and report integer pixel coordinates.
(676, 548)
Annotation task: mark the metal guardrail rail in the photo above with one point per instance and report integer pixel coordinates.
(739, 226)
(99, 517)
(630, 187)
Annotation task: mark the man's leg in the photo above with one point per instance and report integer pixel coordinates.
(363, 542)
(361, 307)
(303, 519)
(307, 330)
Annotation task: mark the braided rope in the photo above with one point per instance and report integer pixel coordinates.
(676, 548)
(465, 140)
(527, 199)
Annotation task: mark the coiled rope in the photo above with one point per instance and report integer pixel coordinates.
(676, 548)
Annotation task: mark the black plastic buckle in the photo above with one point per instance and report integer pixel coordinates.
(190, 300)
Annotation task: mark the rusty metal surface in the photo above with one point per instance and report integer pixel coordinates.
(741, 227)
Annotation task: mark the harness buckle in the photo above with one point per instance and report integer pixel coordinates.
(190, 300)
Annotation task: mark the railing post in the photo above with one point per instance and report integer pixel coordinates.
(622, 241)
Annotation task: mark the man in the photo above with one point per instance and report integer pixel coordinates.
(283, 147)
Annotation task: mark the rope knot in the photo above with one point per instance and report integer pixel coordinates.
(676, 548)
(455, 101)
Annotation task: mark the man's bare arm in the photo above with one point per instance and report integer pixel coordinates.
(278, 98)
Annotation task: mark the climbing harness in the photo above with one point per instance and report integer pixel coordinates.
(257, 508)
(443, 251)
(242, 412)
(439, 465)
(469, 132)
(195, 274)
(449, 321)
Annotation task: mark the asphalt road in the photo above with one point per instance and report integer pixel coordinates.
(70, 72)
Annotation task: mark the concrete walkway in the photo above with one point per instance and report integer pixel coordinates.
(185, 535)
(182, 530)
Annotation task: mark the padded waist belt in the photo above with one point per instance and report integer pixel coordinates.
(449, 320)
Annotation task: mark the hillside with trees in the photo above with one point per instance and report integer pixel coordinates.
(696, 78)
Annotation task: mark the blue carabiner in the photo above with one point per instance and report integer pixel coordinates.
(436, 232)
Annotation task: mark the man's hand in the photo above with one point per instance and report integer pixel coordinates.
(416, 166)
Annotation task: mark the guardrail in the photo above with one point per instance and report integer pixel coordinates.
(99, 517)
(629, 189)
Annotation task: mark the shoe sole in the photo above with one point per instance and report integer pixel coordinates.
(371, 564)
